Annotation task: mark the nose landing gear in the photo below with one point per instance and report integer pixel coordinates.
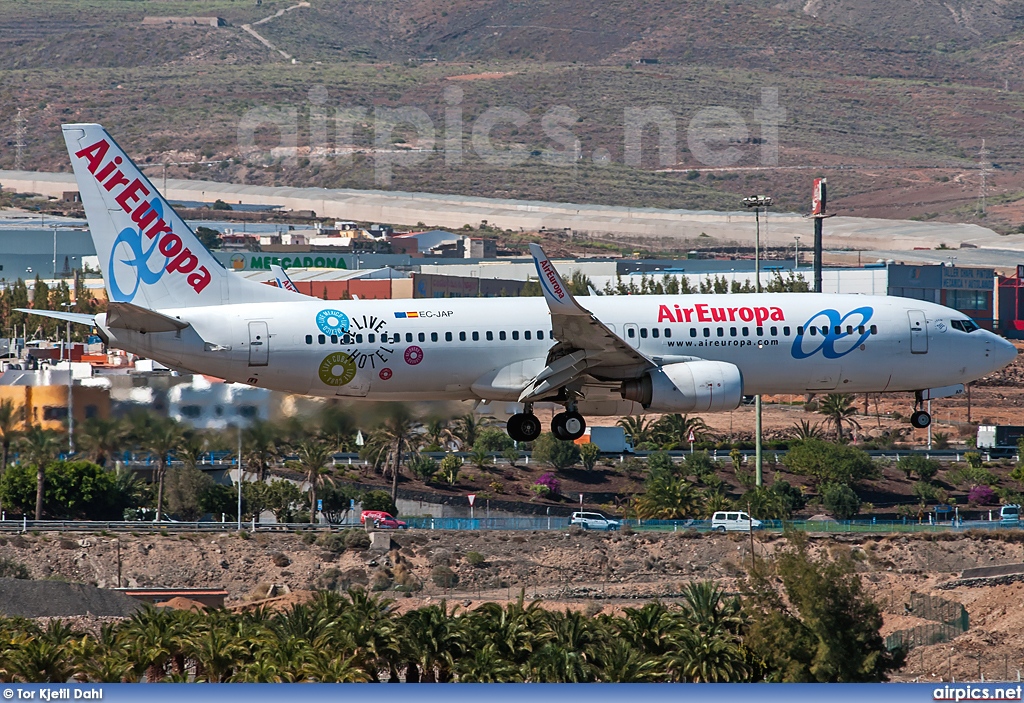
(920, 419)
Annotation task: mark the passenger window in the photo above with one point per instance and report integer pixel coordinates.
(760, 331)
(359, 339)
(462, 336)
(447, 336)
(371, 338)
(839, 330)
(849, 329)
(693, 331)
(874, 329)
(655, 332)
(501, 335)
(707, 331)
(643, 333)
(347, 339)
(824, 331)
(814, 331)
(774, 331)
(490, 336)
(732, 331)
(540, 334)
(408, 336)
(515, 334)
(309, 339)
(526, 334)
(422, 337)
(668, 332)
(800, 330)
(476, 336)
(721, 331)
(334, 339)
(785, 331)
(631, 333)
(321, 339)
(860, 330)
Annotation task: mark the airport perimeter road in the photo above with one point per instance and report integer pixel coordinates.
(454, 211)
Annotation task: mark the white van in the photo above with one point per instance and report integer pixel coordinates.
(738, 521)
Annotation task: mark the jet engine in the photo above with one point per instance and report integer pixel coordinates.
(692, 386)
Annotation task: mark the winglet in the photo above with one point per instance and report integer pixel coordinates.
(556, 293)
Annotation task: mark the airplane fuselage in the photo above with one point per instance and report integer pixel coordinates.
(489, 349)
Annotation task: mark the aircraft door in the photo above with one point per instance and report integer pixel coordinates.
(259, 344)
(918, 332)
(631, 334)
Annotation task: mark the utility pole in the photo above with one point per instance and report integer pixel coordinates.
(757, 202)
(818, 205)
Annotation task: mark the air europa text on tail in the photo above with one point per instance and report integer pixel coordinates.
(180, 259)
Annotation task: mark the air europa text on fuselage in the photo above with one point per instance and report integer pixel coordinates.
(702, 312)
(180, 258)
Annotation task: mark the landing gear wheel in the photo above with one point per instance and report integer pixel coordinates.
(568, 426)
(920, 419)
(523, 427)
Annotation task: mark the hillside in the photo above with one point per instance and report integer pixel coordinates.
(891, 105)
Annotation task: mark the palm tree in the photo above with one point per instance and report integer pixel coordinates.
(667, 498)
(314, 453)
(437, 640)
(262, 442)
(805, 430)
(11, 417)
(101, 438)
(467, 427)
(161, 438)
(674, 430)
(337, 427)
(438, 432)
(639, 428)
(397, 436)
(40, 447)
(837, 409)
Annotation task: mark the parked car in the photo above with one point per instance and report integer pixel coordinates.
(372, 515)
(733, 522)
(594, 521)
(389, 523)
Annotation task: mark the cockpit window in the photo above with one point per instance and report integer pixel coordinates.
(967, 325)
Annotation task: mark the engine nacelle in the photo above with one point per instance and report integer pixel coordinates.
(693, 386)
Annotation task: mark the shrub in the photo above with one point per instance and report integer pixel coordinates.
(10, 569)
(926, 469)
(493, 441)
(476, 559)
(280, 559)
(443, 577)
(589, 454)
(380, 581)
(559, 454)
(829, 463)
(423, 467)
(450, 466)
(512, 455)
(357, 539)
(840, 500)
(378, 500)
(982, 495)
(333, 542)
(496, 486)
(549, 483)
(971, 476)
(926, 491)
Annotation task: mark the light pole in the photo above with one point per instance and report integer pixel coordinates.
(796, 253)
(239, 476)
(71, 385)
(757, 202)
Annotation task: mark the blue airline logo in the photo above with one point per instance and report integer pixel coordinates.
(332, 322)
(136, 259)
(832, 334)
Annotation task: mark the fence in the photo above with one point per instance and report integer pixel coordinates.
(551, 522)
(949, 620)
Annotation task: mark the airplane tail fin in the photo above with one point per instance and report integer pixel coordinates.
(282, 278)
(148, 255)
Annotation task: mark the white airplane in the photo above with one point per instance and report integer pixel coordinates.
(171, 301)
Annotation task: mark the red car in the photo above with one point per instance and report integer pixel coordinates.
(389, 523)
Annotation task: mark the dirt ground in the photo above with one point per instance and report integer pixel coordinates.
(593, 572)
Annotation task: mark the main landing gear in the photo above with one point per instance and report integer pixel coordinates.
(568, 426)
(524, 427)
(920, 419)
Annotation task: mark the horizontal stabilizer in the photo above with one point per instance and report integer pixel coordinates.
(79, 318)
(132, 317)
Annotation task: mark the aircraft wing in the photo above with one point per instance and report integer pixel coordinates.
(584, 343)
(76, 317)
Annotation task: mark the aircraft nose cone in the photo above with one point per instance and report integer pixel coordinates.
(1003, 352)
